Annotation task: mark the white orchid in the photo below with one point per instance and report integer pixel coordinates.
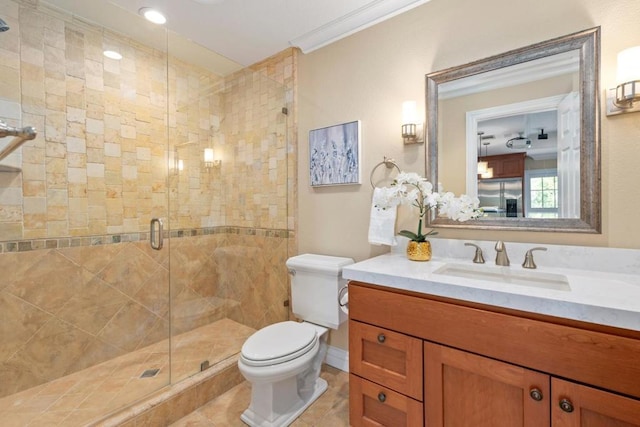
(411, 188)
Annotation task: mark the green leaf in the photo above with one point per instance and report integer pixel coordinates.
(410, 235)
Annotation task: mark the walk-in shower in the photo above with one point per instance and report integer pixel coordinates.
(92, 318)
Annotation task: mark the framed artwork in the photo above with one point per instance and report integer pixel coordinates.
(334, 155)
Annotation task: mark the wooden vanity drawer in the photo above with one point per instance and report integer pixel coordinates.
(387, 358)
(374, 405)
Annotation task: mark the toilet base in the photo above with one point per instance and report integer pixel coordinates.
(252, 419)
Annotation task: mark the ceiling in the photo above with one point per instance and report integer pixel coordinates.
(499, 130)
(227, 35)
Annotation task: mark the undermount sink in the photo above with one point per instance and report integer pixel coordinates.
(535, 279)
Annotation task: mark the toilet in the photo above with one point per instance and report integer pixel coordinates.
(282, 361)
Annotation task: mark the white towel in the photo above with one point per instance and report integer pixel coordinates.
(382, 224)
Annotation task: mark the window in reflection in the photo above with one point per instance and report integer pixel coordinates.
(542, 196)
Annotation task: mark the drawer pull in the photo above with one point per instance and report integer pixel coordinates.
(382, 397)
(566, 405)
(535, 394)
(381, 338)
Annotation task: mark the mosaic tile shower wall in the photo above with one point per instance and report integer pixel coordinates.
(83, 285)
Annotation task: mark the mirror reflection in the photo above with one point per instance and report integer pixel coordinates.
(520, 131)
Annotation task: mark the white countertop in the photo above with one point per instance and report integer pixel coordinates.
(600, 297)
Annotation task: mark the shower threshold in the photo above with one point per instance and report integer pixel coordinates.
(83, 397)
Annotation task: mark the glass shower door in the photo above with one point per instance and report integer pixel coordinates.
(229, 205)
(84, 299)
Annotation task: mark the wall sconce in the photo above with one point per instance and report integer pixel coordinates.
(625, 98)
(412, 127)
(208, 158)
(209, 161)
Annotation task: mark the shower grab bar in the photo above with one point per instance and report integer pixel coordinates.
(21, 136)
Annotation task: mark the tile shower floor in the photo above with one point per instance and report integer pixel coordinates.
(331, 409)
(87, 395)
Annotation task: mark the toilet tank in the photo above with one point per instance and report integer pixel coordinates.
(315, 283)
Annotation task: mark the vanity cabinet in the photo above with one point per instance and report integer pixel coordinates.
(484, 366)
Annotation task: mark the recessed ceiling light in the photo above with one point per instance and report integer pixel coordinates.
(112, 54)
(153, 15)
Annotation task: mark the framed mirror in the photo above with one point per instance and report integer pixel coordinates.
(521, 131)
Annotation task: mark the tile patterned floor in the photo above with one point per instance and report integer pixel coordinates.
(331, 409)
(90, 394)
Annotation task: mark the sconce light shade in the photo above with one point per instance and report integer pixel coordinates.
(412, 128)
(409, 112)
(208, 157)
(208, 154)
(209, 161)
(626, 96)
(629, 65)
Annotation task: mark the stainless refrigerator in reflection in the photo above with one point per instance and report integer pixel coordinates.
(501, 197)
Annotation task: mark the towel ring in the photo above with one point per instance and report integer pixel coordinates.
(389, 163)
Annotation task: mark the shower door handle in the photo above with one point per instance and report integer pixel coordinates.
(156, 234)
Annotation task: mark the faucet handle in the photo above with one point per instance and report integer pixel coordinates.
(478, 258)
(528, 258)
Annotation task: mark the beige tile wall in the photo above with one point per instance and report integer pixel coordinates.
(97, 165)
(98, 171)
(62, 310)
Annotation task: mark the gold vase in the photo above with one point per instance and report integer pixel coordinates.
(419, 251)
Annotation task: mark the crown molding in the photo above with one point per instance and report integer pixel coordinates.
(364, 17)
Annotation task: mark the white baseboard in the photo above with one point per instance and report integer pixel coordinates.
(338, 358)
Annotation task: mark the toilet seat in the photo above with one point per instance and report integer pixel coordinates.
(278, 343)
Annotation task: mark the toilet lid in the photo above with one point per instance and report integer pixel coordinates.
(278, 343)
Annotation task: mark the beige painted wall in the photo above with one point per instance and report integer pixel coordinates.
(367, 76)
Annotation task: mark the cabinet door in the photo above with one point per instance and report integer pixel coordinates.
(463, 389)
(371, 404)
(506, 165)
(495, 164)
(513, 167)
(576, 405)
(386, 357)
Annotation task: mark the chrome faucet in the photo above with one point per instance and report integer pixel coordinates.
(501, 254)
(528, 258)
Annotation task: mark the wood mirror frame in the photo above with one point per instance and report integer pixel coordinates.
(587, 42)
